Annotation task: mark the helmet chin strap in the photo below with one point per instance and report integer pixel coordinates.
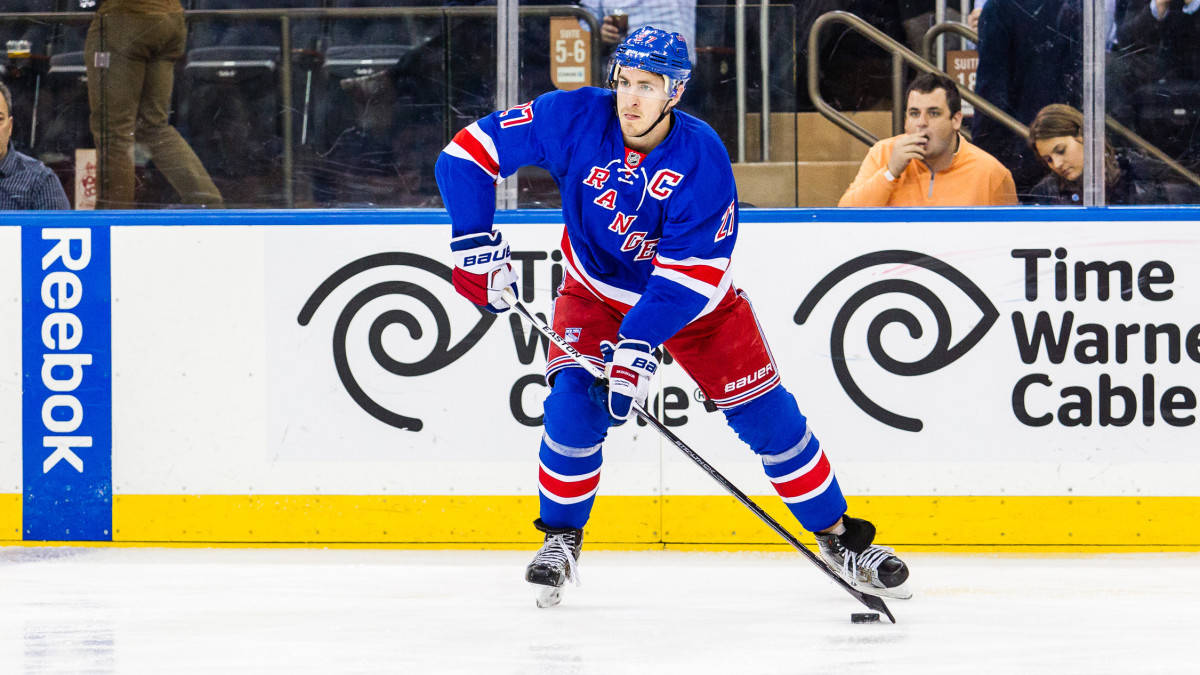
(663, 115)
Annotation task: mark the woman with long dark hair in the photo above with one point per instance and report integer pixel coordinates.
(1130, 177)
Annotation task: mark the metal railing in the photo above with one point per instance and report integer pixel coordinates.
(1113, 125)
(286, 16)
(937, 29)
(901, 54)
(739, 37)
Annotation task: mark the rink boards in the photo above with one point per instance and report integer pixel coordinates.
(978, 378)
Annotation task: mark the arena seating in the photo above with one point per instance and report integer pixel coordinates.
(814, 172)
(371, 121)
(229, 97)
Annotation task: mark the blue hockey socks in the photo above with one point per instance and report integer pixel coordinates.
(773, 427)
(570, 452)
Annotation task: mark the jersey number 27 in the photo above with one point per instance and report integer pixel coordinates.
(726, 228)
(525, 115)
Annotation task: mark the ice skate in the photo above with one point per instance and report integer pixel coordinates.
(556, 563)
(871, 569)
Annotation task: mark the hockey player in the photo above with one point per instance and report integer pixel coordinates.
(651, 218)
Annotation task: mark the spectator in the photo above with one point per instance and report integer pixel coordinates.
(130, 53)
(965, 175)
(1030, 55)
(619, 17)
(25, 183)
(1156, 77)
(1056, 134)
(1114, 10)
(1165, 30)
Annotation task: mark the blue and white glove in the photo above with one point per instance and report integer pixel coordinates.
(629, 366)
(483, 269)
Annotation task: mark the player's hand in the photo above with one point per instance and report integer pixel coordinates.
(907, 148)
(483, 269)
(629, 366)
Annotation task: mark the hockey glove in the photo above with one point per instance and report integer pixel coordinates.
(629, 366)
(482, 270)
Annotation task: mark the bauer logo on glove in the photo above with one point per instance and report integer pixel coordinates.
(483, 269)
(629, 366)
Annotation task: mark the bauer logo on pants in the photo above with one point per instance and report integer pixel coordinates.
(942, 353)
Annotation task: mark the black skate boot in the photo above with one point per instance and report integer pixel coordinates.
(871, 569)
(556, 563)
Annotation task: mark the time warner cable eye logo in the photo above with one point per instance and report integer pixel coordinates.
(940, 355)
(442, 353)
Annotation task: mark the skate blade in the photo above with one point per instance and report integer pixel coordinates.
(548, 596)
(901, 592)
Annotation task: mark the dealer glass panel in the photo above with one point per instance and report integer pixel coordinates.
(710, 95)
(1153, 88)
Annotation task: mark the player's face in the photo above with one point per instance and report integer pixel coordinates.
(1063, 154)
(928, 114)
(641, 97)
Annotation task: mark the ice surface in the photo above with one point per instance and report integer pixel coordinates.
(148, 610)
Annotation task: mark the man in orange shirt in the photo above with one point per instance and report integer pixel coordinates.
(950, 171)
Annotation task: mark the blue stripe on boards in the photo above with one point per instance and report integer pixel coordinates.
(66, 357)
(346, 217)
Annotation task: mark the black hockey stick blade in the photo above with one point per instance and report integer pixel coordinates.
(876, 603)
(870, 601)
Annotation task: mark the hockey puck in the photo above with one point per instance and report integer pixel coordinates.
(865, 617)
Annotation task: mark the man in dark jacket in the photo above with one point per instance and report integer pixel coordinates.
(1030, 55)
(1156, 76)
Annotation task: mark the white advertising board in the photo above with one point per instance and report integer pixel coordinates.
(10, 359)
(1046, 396)
(339, 360)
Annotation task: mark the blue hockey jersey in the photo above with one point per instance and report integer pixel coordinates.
(651, 235)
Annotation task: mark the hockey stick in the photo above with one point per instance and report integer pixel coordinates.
(871, 601)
